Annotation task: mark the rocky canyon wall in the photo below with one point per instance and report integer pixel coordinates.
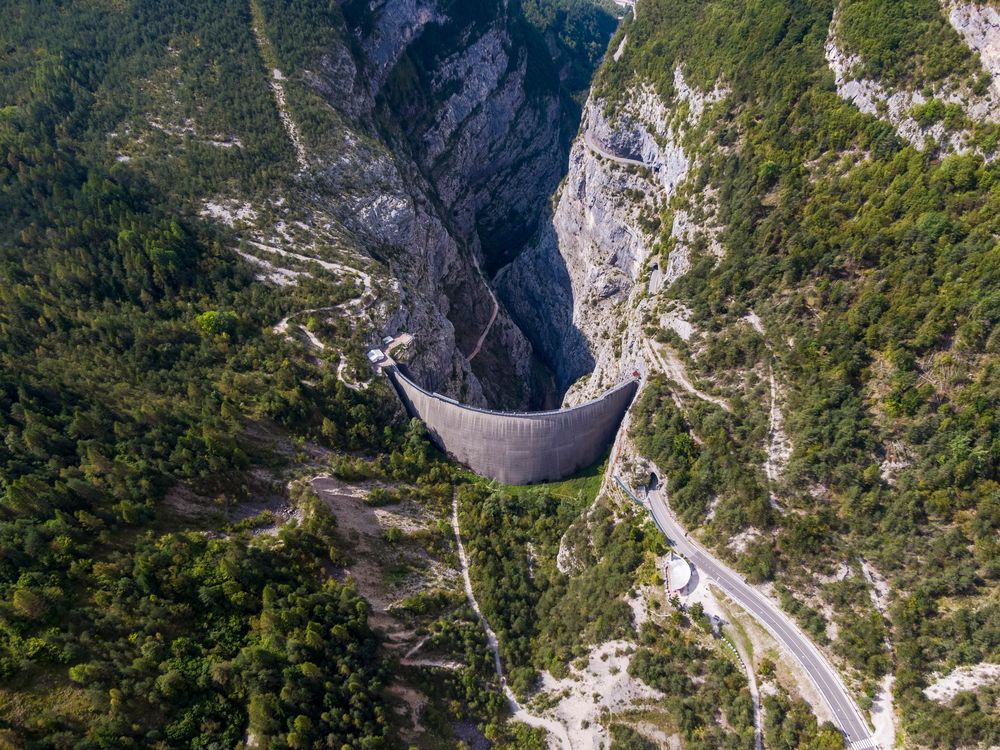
(472, 119)
(582, 287)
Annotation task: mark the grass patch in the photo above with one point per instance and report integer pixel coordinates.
(587, 482)
(734, 629)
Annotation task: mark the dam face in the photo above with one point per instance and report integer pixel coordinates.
(518, 448)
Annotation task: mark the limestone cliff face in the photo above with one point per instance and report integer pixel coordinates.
(393, 25)
(584, 285)
(491, 145)
(978, 26)
(455, 148)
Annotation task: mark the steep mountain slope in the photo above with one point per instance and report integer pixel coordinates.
(209, 212)
(460, 120)
(217, 530)
(786, 211)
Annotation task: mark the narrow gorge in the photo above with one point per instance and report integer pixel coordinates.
(547, 243)
(753, 245)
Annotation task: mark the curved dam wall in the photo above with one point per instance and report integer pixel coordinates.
(518, 448)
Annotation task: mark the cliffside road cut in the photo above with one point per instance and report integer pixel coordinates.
(846, 715)
(589, 142)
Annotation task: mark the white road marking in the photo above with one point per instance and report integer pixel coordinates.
(847, 715)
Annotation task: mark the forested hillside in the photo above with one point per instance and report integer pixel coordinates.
(149, 596)
(217, 528)
(858, 264)
(132, 362)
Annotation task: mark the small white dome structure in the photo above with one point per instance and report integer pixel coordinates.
(678, 573)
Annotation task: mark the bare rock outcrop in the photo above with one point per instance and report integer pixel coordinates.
(978, 27)
(602, 239)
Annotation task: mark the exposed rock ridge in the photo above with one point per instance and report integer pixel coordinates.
(977, 26)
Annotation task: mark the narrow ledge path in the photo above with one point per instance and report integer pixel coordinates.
(489, 326)
(333, 267)
(778, 448)
(518, 712)
(276, 82)
(493, 316)
(673, 368)
(354, 304)
(589, 142)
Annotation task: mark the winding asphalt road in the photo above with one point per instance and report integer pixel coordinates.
(847, 716)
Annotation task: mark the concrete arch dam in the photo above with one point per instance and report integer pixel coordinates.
(518, 448)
